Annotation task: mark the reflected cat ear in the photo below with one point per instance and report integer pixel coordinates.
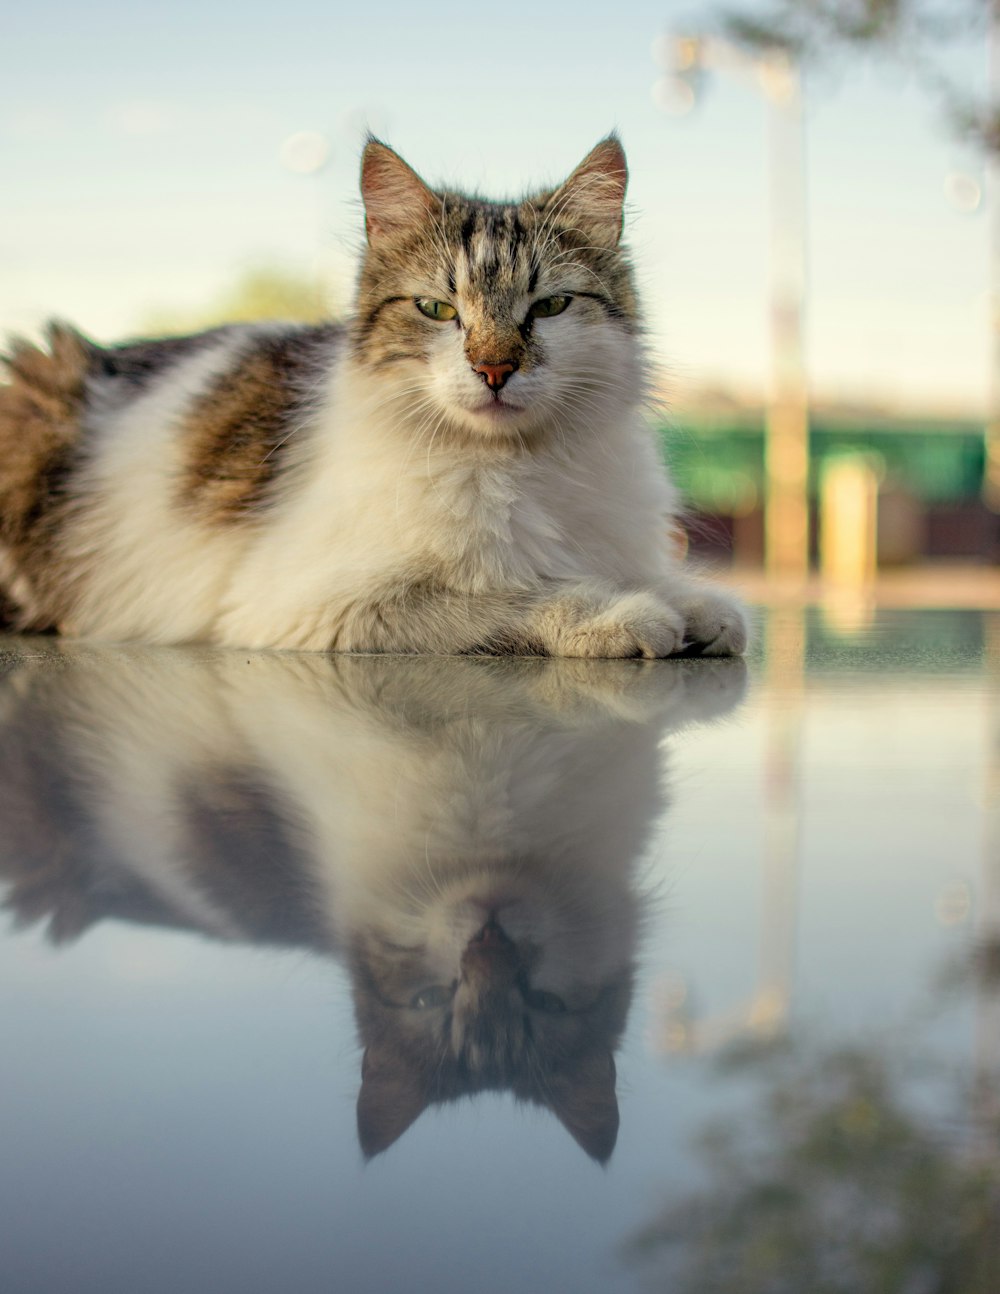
(594, 195)
(392, 1098)
(395, 197)
(585, 1103)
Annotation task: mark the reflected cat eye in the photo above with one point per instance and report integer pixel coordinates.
(538, 999)
(431, 996)
(546, 307)
(439, 311)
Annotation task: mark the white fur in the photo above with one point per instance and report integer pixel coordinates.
(151, 573)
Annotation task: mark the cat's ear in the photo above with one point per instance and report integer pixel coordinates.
(392, 1097)
(594, 195)
(395, 197)
(583, 1100)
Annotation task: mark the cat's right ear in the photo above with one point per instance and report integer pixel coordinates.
(594, 195)
(392, 1097)
(396, 198)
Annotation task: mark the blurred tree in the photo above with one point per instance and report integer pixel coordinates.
(917, 33)
(834, 1183)
(258, 292)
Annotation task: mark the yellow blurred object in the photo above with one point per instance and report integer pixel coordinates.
(848, 532)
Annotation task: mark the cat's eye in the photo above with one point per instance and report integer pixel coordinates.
(539, 999)
(548, 306)
(431, 996)
(439, 311)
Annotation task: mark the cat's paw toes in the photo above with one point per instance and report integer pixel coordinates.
(714, 625)
(637, 625)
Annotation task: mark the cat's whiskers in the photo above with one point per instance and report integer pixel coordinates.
(429, 413)
(296, 429)
(440, 236)
(552, 214)
(585, 413)
(586, 404)
(430, 417)
(571, 258)
(422, 882)
(438, 424)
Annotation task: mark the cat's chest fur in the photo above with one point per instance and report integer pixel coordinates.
(393, 506)
(481, 521)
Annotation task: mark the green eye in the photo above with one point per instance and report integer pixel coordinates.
(439, 311)
(431, 996)
(548, 306)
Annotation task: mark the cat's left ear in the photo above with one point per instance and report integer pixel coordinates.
(584, 1102)
(594, 195)
(396, 198)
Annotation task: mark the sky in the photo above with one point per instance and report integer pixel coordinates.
(141, 174)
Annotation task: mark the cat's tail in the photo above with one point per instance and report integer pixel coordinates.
(47, 382)
(40, 406)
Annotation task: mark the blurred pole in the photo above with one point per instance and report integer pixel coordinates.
(784, 690)
(987, 940)
(991, 474)
(786, 440)
(986, 1089)
(786, 455)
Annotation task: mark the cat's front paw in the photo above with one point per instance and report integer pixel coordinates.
(637, 624)
(715, 623)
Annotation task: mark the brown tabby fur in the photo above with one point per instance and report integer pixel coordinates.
(234, 432)
(39, 430)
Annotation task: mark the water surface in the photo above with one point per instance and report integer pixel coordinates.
(740, 1029)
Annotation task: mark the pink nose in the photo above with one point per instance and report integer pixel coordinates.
(494, 375)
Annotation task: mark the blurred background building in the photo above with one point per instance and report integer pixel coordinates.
(847, 489)
(905, 487)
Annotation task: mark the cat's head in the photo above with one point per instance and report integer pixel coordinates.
(499, 320)
(491, 987)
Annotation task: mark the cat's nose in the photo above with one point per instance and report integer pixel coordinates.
(489, 963)
(495, 375)
(490, 955)
(490, 935)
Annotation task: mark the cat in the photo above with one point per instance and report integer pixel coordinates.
(462, 833)
(461, 467)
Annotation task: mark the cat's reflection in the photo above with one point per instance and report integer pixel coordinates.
(462, 832)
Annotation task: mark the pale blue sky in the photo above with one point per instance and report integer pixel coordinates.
(140, 170)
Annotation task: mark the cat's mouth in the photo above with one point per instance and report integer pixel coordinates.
(497, 409)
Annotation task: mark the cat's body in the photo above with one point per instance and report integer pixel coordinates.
(462, 467)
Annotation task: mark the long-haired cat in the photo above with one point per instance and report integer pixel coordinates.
(463, 834)
(461, 467)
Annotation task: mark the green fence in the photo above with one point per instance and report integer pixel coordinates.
(718, 462)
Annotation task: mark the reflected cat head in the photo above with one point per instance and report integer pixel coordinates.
(461, 833)
(505, 988)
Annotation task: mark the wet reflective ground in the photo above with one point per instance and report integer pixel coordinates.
(378, 974)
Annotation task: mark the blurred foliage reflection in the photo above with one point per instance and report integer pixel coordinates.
(856, 1170)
